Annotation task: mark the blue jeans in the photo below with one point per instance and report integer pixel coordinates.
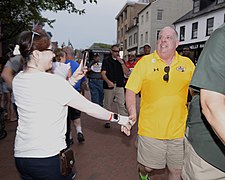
(40, 168)
(96, 89)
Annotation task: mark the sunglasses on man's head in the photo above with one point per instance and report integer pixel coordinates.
(166, 76)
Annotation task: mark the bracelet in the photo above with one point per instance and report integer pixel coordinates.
(110, 118)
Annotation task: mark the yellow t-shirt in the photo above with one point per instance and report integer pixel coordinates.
(163, 109)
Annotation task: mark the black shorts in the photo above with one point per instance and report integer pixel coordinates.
(73, 113)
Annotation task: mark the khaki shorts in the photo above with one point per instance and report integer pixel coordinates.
(196, 168)
(156, 154)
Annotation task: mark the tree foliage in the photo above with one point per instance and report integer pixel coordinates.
(19, 15)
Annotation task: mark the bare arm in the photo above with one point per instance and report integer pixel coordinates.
(126, 70)
(8, 75)
(69, 74)
(213, 107)
(131, 104)
(80, 102)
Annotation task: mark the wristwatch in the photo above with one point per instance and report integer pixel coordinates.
(116, 117)
(122, 63)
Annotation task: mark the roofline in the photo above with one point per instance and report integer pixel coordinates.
(128, 3)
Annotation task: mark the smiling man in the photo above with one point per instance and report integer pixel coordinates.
(162, 78)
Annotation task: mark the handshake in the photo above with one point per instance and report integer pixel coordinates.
(125, 122)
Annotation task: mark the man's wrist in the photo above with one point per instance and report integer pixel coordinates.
(122, 63)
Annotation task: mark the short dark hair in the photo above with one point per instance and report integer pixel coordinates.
(115, 45)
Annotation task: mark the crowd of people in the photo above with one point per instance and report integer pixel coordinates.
(186, 139)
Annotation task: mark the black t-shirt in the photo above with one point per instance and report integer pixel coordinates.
(114, 72)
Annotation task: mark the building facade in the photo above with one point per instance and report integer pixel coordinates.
(195, 27)
(156, 15)
(139, 22)
(126, 19)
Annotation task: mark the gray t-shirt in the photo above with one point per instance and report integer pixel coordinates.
(15, 64)
(209, 74)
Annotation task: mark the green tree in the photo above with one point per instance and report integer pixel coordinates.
(19, 15)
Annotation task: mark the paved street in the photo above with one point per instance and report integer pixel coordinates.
(107, 154)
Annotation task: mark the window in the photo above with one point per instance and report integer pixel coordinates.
(118, 34)
(135, 38)
(146, 17)
(121, 19)
(196, 7)
(209, 26)
(125, 15)
(146, 37)
(159, 14)
(194, 34)
(121, 32)
(142, 19)
(130, 40)
(141, 39)
(125, 44)
(157, 34)
(182, 33)
(220, 1)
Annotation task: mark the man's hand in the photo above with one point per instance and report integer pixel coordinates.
(110, 84)
(119, 59)
(127, 128)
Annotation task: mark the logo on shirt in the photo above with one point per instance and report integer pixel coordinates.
(181, 69)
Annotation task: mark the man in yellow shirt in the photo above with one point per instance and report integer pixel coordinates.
(162, 78)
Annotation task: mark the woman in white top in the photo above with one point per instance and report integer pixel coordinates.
(58, 66)
(42, 99)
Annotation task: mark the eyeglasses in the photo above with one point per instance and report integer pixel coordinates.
(166, 76)
(48, 50)
(115, 50)
(32, 39)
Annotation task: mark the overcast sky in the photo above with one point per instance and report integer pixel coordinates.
(97, 25)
